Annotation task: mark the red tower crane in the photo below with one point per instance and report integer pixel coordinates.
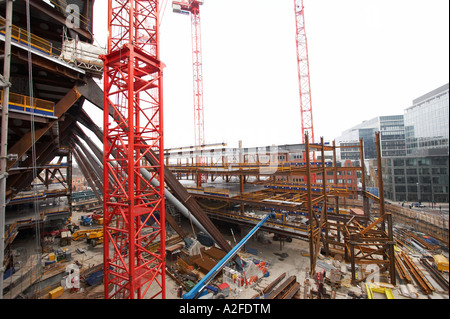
(303, 73)
(192, 7)
(134, 215)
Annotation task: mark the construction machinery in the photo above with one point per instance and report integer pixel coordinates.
(201, 285)
(95, 237)
(441, 262)
(84, 234)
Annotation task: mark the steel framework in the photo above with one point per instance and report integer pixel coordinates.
(134, 215)
(303, 73)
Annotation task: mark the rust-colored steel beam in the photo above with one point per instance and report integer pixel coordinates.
(84, 155)
(417, 275)
(47, 64)
(435, 274)
(271, 286)
(283, 288)
(401, 270)
(291, 291)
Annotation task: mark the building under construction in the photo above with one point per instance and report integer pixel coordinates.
(195, 218)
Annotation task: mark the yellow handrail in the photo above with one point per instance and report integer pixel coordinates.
(36, 42)
(25, 102)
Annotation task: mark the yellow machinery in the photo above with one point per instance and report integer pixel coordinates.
(441, 262)
(95, 237)
(372, 288)
(82, 234)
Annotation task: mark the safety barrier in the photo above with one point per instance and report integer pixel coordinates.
(24, 103)
(22, 37)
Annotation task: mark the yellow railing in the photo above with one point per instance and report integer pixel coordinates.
(24, 103)
(36, 42)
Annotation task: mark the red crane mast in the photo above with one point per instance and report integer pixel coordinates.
(133, 208)
(192, 7)
(303, 73)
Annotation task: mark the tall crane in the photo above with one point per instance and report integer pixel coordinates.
(192, 7)
(303, 73)
(133, 208)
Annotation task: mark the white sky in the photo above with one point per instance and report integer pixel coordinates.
(367, 58)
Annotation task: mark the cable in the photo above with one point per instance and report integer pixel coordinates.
(33, 144)
(163, 11)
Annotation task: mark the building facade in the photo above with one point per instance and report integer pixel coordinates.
(423, 174)
(414, 148)
(392, 137)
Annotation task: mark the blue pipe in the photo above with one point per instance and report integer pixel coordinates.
(197, 289)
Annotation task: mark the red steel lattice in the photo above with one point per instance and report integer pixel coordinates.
(134, 215)
(197, 66)
(303, 73)
(192, 7)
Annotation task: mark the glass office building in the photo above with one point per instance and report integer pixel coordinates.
(423, 174)
(392, 137)
(426, 124)
(414, 148)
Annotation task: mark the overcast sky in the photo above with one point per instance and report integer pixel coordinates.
(367, 58)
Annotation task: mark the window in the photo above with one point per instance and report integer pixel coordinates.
(399, 162)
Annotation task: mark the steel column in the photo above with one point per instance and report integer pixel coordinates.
(363, 179)
(380, 179)
(4, 136)
(312, 257)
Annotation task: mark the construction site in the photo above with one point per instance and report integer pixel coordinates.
(101, 209)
